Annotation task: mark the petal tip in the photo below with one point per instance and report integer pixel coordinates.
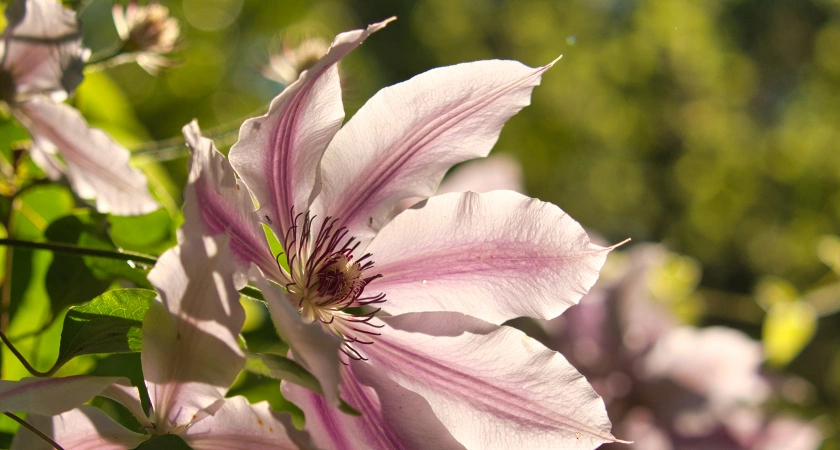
(374, 27)
(615, 246)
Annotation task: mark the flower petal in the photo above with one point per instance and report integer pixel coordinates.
(491, 386)
(719, 363)
(128, 396)
(215, 202)
(190, 350)
(277, 154)
(42, 48)
(83, 428)
(391, 417)
(97, 167)
(403, 140)
(495, 256)
(49, 396)
(240, 425)
(311, 346)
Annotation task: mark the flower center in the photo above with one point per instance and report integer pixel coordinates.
(327, 281)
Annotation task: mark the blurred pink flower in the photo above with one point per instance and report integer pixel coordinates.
(666, 385)
(41, 62)
(440, 371)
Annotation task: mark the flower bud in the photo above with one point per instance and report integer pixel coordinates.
(147, 29)
(286, 66)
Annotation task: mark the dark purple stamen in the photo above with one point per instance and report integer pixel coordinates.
(331, 279)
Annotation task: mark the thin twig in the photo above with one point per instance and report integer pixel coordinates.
(23, 360)
(6, 294)
(77, 250)
(34, 430)
(223, 135)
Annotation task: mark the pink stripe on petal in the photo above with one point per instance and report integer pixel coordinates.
(495, 256)
(492, 387)
(217, 203)
(403, 140)
(277, 155)
(391, 416)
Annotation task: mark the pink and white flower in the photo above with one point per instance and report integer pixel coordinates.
(439, 371)
(41, 62)
(190, 358)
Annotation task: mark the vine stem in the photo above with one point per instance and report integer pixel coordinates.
(77, 250)
(23, 360)
(34, 430)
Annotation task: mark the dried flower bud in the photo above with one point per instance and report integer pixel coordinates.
(285, 67)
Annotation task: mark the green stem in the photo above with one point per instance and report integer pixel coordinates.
(105, 55)
(23, 360)
(77, 250)
(34, 430)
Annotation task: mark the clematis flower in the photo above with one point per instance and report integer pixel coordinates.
(439, 371)
(41, 62)
(190, 357)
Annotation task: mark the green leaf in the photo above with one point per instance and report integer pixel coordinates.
(74, 278)
(38, 207)
(149, 233)
(11, 133)
(788, 328)
(69, 280)
(164, 442)
(110, 323)
(282, 368)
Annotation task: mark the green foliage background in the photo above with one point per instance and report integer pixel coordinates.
(709, 125)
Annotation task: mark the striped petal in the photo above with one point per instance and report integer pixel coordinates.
(215, 202)
(391, 417)
(405, 138)
(491, 387)
(277, 155)
(495, 256)
(96, 166)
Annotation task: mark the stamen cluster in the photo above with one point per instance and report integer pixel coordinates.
(327, 282)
